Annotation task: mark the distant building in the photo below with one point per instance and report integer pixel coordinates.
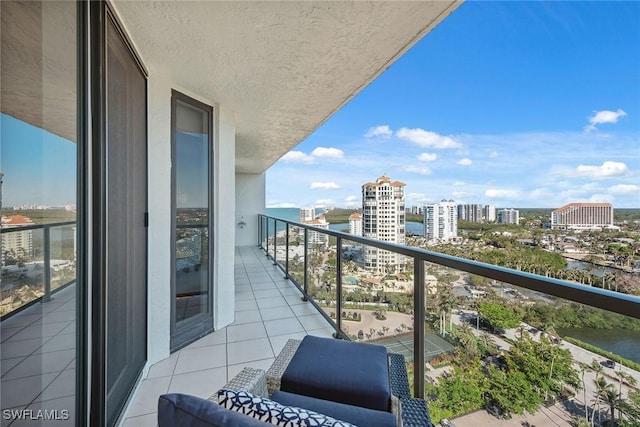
(16, 242)
(355, 224)
(489, 212)
(316, 237)
(415, 210)
(509, 216)
(583, 216)
(440, 220)
(471, 213)
(383, 218)
(307, 214)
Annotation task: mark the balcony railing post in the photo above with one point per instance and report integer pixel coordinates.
(306, 266)
(418, 328)
(260, 219)
(286, 252)
(338, 287)
(46, 230)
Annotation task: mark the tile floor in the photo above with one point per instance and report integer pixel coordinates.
(38, 357)
(269, 311)
(38, 345)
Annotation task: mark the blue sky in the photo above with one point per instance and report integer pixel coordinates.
(516, 104)
(39, 167)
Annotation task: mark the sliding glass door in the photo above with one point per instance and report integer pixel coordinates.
(191, 199)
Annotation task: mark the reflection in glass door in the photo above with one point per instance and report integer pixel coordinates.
(191, 151)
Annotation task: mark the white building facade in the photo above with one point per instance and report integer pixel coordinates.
(489, 212)
(383, 218)
(509, 216)
(583, 216)
(440, 221)
(355, 224)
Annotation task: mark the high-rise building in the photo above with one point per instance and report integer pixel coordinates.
(355, 224)
(315, 237)
(307, 214)
(583, 216)
(509, 216)
(16, 243)
(471, 213)
(440, 220)
(383, 218)
(489, 213)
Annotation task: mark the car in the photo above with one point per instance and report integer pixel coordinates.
(496, 412)
(609, 364)
(446, 423)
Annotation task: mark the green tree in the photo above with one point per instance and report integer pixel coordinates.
(510, 391)
(499, 314)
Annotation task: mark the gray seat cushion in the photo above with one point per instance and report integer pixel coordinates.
(190, 411)
(340, 371)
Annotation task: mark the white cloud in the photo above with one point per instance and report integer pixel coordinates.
(382, 131)
(280, 205)
(606, 170)
(462, 194)
(427, 157)
(493, 154)
(351, 198)
(459, 184)
(464, 162)
(417, 198)
(601, 198)
(625, 190)
(324, 186)
(331, 153)
(604, 116)
(425, 138)
(496, 193)
(418, 169)
(297, 157)
(324, 202)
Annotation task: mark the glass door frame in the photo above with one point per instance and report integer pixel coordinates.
(200, 324)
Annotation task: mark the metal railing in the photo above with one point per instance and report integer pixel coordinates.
(270, 227)
(13, 283)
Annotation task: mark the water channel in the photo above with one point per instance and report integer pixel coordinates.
(623, 342)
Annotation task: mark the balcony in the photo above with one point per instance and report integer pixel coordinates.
(397, 305)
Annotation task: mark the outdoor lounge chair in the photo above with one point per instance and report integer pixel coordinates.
(316, 381)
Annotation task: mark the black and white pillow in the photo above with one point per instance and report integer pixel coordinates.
(274, 412)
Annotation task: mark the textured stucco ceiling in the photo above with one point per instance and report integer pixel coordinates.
(282, 67)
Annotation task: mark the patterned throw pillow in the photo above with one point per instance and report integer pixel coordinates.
(273, 412)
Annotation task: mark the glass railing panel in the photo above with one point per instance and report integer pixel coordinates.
(296, 255)
(263, 232)
(321, 280)
(530, 356)
(22, 268)
(281, 243)
(271, 237)
(63, 255)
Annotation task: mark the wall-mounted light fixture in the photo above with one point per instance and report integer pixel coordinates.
(241, 224)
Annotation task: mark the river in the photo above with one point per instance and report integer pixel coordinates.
(624, 342)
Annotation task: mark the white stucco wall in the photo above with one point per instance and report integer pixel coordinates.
(159, 199)
(224, 219)
(159, 255)
(250, 201)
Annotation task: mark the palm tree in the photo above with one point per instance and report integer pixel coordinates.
(583, 369)
(597, 368)
(629, 379)
(611, 397)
